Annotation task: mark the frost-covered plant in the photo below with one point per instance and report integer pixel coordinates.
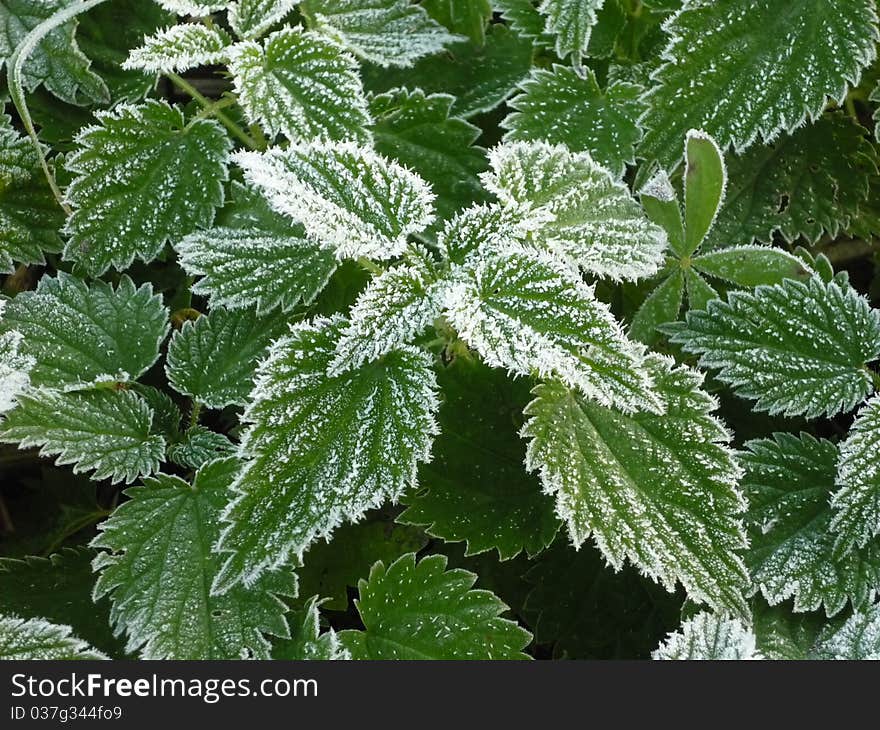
(585, 285)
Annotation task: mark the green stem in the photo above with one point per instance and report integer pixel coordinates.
(15, 67)
(195, 413)
(370, 266)
(210, 111)
(236, 131)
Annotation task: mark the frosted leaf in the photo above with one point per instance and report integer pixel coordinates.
(857, 638)
(102, 431)
(705, 186)
(384, 32)
(467, 17)
(30, 217)
(788, 481)
(527, 312)
(28, 639)
(198, 446)
(321, 449)
(709, 637)
(418, 131)
(192, 7)
(419, 610)
(179, 48)
(571, 22)
(751, 266)
(214, 358)
(252, 18)
(57, 62)
(560, 106)
(856, 502)
(258, 257)
(77, 334)
(349, 199)
(157, 562)
(658, 490)
(306, 640)
(523, 18)
(807, 184)
(796, 348)
(142, 177)
(15, 367)
(741, 69)
(587, 215)
(395, 307)
(662, 305)
(485, 227)
(300, 84)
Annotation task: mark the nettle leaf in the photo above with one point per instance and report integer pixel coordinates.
(213, 359)
(178, 48)
(788, 482)
(857, 638)
(418, 131)
(322, 449)
(102, 431)
(306, 640)
(466, 17)
(384, 32)
(807, 184)
(659, 490)
(57, 62)
(856, 502)
(586, 213)
(708, 636)
(142, 177)
(524, 19)
(157, 561)
(252, 18)
(475, 488)
(571, 22)
(198, 446)
(257, 258)
(796, 348)
(192, 7)
(15, 366)
(300, 84)
(30, 217)
(420, 610)
(560, 106)
(395, 307)
(36, 638)
(740, 69)
(78, 334)
(527, 312)
(348, 198)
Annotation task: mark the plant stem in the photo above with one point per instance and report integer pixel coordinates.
(370, 266)
(195, 413)
(236, 131)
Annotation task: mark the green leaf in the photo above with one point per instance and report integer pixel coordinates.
(321, 449)
(250, 19)
(659, 490)
(198, 446)
(857, 638)
(213, 359)
(578, 208)
(349, 199)
(103, 431)
(752, 266)
(156, 565)
(560, 106)
(661, 306)
(480, 77)
(475, 488)
(531, 314)
(418, 131)
(142, 177)
(699, 291)
(383, 32)
(30, 217)
(178, 48)
(14, 365)
(464, 17)
(788, 482)
(79, 334)
(58, 588)
(807, 184)
(306, 640)
(856, 502)
(705, 183)
(193, 8)
(796, 348)
(571, 22)
(523, 18)
(257, 257)
(329, 568)
(660, 202)
(419, 610)
(741, 69)
(37, 638)
(57, 63)
(300, 84)
(709, 637)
